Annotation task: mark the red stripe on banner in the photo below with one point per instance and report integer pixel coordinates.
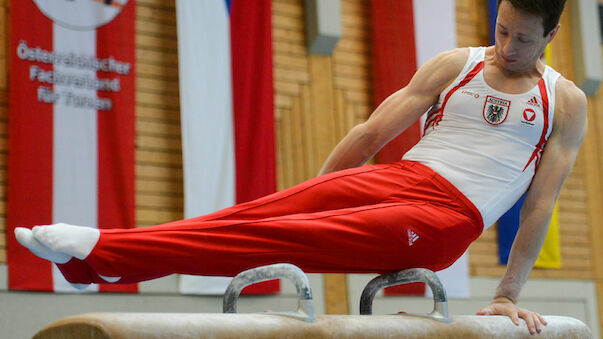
(253, 106)
(394, 64)
(253, 99)
(116, 128)
(30, 147)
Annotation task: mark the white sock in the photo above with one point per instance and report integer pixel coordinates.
(25, 237)
(76, 241)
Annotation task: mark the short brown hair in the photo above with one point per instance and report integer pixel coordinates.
(549, 10)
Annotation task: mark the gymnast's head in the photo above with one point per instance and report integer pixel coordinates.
(523, 29)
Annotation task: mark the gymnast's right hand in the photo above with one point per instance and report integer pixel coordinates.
(503, 306)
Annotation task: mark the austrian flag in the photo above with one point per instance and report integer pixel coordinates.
(71, 142)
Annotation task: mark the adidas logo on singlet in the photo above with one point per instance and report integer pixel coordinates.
(412, 237)
(534, 102)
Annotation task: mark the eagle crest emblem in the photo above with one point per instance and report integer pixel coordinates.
(496, 110)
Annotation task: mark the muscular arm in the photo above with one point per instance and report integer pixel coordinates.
(569, 130)
(397, 112)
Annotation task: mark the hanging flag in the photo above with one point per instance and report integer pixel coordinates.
(226, 101)
(550, 254)
(404, 38)
(492, 14)
(394, 63)
(508, 225)
(71, 126)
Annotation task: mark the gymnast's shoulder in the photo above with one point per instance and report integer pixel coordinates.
(570, 109)
(443, 68)
(570, 98)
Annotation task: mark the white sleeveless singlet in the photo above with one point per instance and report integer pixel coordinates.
(485, 142)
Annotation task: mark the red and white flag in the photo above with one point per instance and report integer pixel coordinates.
(406, 34)
(71, 126)
(227, 110)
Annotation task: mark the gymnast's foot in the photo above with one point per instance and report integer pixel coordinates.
(75, 241)
(61, 242)
(25, 237)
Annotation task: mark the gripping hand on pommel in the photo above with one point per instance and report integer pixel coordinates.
(502, 306)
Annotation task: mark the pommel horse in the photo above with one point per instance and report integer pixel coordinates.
(303, 323)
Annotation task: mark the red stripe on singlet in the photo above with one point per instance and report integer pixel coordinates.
(545, 111)
(436, 117)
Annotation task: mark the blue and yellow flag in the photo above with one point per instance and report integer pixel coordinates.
(508, 224)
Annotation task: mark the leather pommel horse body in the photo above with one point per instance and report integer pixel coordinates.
(303, 323)
(237, 326)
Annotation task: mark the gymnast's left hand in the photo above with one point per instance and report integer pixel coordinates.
(503, 306)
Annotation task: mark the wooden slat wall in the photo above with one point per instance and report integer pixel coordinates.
(318, 99)
(472, 23)
(159, 185)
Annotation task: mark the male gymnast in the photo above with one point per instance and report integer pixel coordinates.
(491, 112)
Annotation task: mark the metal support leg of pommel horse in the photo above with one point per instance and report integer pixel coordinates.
(440, 301)
(305, 308)
(303, 323)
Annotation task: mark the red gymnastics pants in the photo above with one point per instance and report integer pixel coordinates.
(370, 219)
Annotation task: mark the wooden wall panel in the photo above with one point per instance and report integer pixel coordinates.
(159, 184)
(472, 23)
(312, 113)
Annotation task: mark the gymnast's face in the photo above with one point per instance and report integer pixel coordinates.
(520, 39)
